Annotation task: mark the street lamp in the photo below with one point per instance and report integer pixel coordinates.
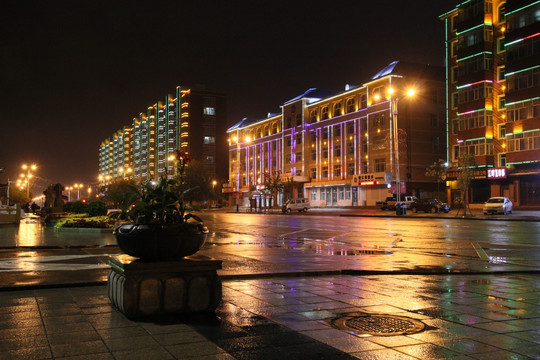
(28, 176)
(78, 187)
(69, 188)
(394, 99)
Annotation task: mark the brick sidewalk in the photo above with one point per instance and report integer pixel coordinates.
(465, 317)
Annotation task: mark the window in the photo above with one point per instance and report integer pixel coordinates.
(502, 131)
(455, 153)
(313, 154)
(313, 116)
(380, 165)
(337, 171)
(209, 159)
(337, 151)
(337, 109)
(455, 126)
(323, 193)
(350, 105)
(348, 193)
(325, 171)
(341, 193)
(298, 119)
(313, 194)
(378, 120)
(363, 101)
(350, 168)
(337, 130)
(500, 44)
(324, 113)
(313, 172)
(523, 141)
(502, 160)
(298, 156)
(209, 110)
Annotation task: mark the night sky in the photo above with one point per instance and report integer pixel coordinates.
(73, 72)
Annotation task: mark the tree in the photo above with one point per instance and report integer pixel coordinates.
(196, 178)
(274, 184)
(121, 195)
(97, 208)
(438, 170)
(467, 165)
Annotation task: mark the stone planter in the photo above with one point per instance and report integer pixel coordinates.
(166, 242)
(142, 289)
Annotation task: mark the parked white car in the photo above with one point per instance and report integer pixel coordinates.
(300, 204)
(498, 205)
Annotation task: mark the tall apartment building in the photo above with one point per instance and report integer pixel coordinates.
(339, 147)
(191, 120)
(493, 95)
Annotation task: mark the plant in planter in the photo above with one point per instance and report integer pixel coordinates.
(162, 228)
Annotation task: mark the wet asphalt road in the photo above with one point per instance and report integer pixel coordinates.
(255, 244)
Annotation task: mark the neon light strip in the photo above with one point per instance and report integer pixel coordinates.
(464, 31)
(478, 82)
(525, 38)
(479, 138)
(522, 101)
(526, 6)
(480, 53)
(522, 132)
(522, 162)
(473, 111)
(519, 71)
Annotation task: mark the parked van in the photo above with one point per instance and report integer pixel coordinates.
(300, 204)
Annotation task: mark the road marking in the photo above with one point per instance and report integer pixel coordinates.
(480, 251)
(51, 263)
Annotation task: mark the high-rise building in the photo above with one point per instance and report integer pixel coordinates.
(192, 120)
(343, 148)
(493, 96)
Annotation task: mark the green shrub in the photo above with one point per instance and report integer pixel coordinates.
(78, 207)
(97, 208)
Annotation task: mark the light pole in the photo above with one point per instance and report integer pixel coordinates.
(394, 99)
(78, 187)
(69, 188)
(28, 175)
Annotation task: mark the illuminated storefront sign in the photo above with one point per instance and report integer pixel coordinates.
(496, 173)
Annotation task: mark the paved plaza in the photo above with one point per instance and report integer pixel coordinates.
(305, 306)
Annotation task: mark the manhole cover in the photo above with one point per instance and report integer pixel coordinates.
(381, 325)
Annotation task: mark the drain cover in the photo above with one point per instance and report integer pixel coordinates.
(382, 325)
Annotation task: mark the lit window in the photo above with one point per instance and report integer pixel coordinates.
(209, 140)
(209, 110)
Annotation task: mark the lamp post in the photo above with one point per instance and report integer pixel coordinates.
(69, 188)
(78, 187)
(28, 176)
(394, 99)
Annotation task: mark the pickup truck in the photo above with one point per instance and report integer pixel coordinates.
(405, 200)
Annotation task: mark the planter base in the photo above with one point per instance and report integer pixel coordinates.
(142, 289)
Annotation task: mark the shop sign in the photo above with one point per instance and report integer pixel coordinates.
(496, 173)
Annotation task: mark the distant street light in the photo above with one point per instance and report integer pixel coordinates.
(26, 177)
(78, 187)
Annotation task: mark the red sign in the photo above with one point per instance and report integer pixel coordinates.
(371, 182)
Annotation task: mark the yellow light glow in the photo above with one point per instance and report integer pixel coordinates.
(378, 130)
(248, 139)
(366, 156)
(503, 29)
(504, 87)
(377, 97)
(350, 137)
(410, 92)
(390, 91)
(504, 146)
(235, 139)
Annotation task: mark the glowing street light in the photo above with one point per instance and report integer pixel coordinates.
(26, 177)
(78, 187)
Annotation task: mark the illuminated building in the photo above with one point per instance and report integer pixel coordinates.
(192, 120)
(493, 87)
(337, 147)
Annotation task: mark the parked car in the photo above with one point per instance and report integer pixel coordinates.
(429, 205)
(300, 204)
(390, 202)
(498, 205)
(384, 204)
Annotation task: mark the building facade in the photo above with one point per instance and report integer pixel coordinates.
(343, 148)
(493, 96)
(191, 120)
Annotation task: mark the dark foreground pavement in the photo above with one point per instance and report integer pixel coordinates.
(279, 303)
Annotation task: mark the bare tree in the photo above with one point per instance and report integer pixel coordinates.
(467, 165)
